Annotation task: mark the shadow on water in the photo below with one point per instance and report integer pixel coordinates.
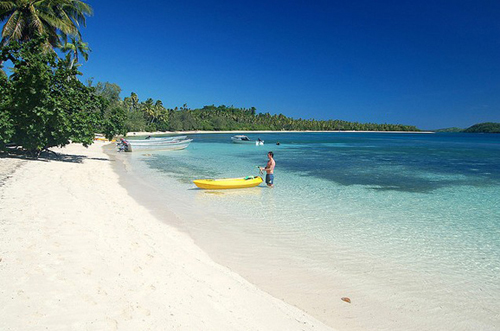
(417, 170)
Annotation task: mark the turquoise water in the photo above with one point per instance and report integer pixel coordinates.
(407, 224)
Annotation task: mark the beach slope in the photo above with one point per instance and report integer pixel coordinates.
(78, 253)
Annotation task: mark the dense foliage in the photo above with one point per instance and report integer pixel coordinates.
(43, 104)
(6, 124)
(449, 130)
(153, 116)
(487, 127)
(114, 114)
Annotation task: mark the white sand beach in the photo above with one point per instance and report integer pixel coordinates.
(78, 253)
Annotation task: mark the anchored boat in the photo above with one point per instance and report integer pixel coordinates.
(151, 138)
(153, 144)
(241, 139)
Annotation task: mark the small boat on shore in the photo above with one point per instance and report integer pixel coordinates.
(241, 139)
(150, 145)
(228, 183)
(152, 138)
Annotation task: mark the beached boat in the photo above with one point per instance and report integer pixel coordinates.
(228, 183)
(153, 141)
(150, 145)
(241, 139)
(151, 138)
(100, 137)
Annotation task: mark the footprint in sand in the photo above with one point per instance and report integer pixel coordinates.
(101, 291)
(87, 271)
(113, 324)
(145, 311)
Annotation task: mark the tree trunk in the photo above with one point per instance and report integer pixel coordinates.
(2, 44)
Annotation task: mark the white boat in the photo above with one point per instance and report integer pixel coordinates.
(150, 138)
(150, 145)
(156, 140)
(241, 139)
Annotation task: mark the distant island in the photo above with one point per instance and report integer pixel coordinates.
(150, 115)
(487, 127)
(220, 118)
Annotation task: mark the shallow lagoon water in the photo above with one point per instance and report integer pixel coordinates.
(406, 225)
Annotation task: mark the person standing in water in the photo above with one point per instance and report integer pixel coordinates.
(269, 169)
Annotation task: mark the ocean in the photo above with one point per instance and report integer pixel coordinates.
(405, 225)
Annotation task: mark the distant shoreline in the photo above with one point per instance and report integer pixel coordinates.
(264, 131)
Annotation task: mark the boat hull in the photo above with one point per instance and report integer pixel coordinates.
(248, 142)
(228, 183)
(166, 138)
(157, 145)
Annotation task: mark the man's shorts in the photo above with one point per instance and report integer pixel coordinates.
(269, 179)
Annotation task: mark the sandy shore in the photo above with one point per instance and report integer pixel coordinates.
(78, 253)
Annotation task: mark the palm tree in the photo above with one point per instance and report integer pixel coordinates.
(74, 47)
(132, 102)
(55, 18)
(148, 109)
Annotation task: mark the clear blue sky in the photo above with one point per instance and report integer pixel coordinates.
(430, 63)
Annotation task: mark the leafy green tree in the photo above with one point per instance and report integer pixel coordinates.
(175, 121)
(44, 107)
(6, 125)
(109, 91)
(114, 120)
(115, 110)
(135, 117)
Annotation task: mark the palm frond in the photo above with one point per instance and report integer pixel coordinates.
(13, 27)
(35, 22)
(56, 18)
(7, 6)
(52, 20)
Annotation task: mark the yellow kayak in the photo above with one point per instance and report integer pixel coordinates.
(228, 183)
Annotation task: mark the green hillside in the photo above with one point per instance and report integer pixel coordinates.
(487, 127)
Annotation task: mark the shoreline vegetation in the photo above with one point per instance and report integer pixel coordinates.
(159, 133)
(153, 116)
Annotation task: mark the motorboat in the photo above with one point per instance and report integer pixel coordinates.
(241, 139)
(151, 138)
(150, 145)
